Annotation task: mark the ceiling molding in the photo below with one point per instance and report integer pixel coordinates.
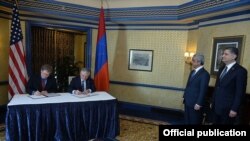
(187, 13)
(108, 4)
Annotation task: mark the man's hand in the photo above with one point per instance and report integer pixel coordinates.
(197, 107)
(78, 92)
(86, 91)
(232, 114)
(44, 92)
(37, 93)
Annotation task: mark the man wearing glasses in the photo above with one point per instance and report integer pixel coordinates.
(82, 84)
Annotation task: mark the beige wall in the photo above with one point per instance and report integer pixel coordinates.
(191, 47)
(205, 35)
(4, 48)
(169, 68)
(4, 55)
(79, 47)
(168, 62)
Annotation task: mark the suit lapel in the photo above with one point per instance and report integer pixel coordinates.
(79, 82)
(39, 80)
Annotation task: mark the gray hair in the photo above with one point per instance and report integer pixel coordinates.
(200, 58)
(85, 70)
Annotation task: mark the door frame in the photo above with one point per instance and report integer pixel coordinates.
(28, 40)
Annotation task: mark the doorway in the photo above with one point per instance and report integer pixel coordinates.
(63, 49)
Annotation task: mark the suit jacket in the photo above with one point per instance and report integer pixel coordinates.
(196, 88)
(75, 84)
(35, 83)
(230, 90)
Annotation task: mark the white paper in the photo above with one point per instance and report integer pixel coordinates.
(52, 94)
(36, 96)
(84, 95)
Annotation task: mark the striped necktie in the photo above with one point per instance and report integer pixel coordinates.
(83, 85)
(193, 73)
(223, 73)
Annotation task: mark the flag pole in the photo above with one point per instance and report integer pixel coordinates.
(16, 3)
(17, 65)
(101, 75)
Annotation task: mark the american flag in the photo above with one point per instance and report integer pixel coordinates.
(17, 65)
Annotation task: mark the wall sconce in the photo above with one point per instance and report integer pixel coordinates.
(188, 57)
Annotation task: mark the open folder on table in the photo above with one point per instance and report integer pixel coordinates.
(84, 95)
(36, 96)
(44, 95)
(52, 94)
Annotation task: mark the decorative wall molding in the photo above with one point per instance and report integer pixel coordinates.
(147, 85)
(4, 83)
(182, 17)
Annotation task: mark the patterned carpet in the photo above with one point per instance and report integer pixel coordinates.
(138, 129)
(131, 128)
(2, 132)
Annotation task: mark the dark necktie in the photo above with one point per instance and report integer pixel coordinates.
(192, 73)
(223, 73)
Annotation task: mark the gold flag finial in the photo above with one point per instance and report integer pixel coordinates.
(16, 2)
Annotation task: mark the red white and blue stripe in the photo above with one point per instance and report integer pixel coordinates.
(17, 65)
(101, 77)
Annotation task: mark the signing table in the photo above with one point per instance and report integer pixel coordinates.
(64, 118)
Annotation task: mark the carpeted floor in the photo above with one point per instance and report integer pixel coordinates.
(131, 128)
(138, 129)
(2, 132)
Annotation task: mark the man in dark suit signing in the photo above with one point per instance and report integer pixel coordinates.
(82, 84)
(230, 89)
(196, 89)
(43, 83)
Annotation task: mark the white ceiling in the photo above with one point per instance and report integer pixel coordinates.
(126, 3)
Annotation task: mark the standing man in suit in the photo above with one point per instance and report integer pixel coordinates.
(196, 89)
(230, 88)
(43, 83)
(82, 84)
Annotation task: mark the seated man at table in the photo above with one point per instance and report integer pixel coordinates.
(82, 84)
(43, 83)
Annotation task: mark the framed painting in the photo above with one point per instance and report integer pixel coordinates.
(141, 60)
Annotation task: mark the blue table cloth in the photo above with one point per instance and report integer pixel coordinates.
(72, 121)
